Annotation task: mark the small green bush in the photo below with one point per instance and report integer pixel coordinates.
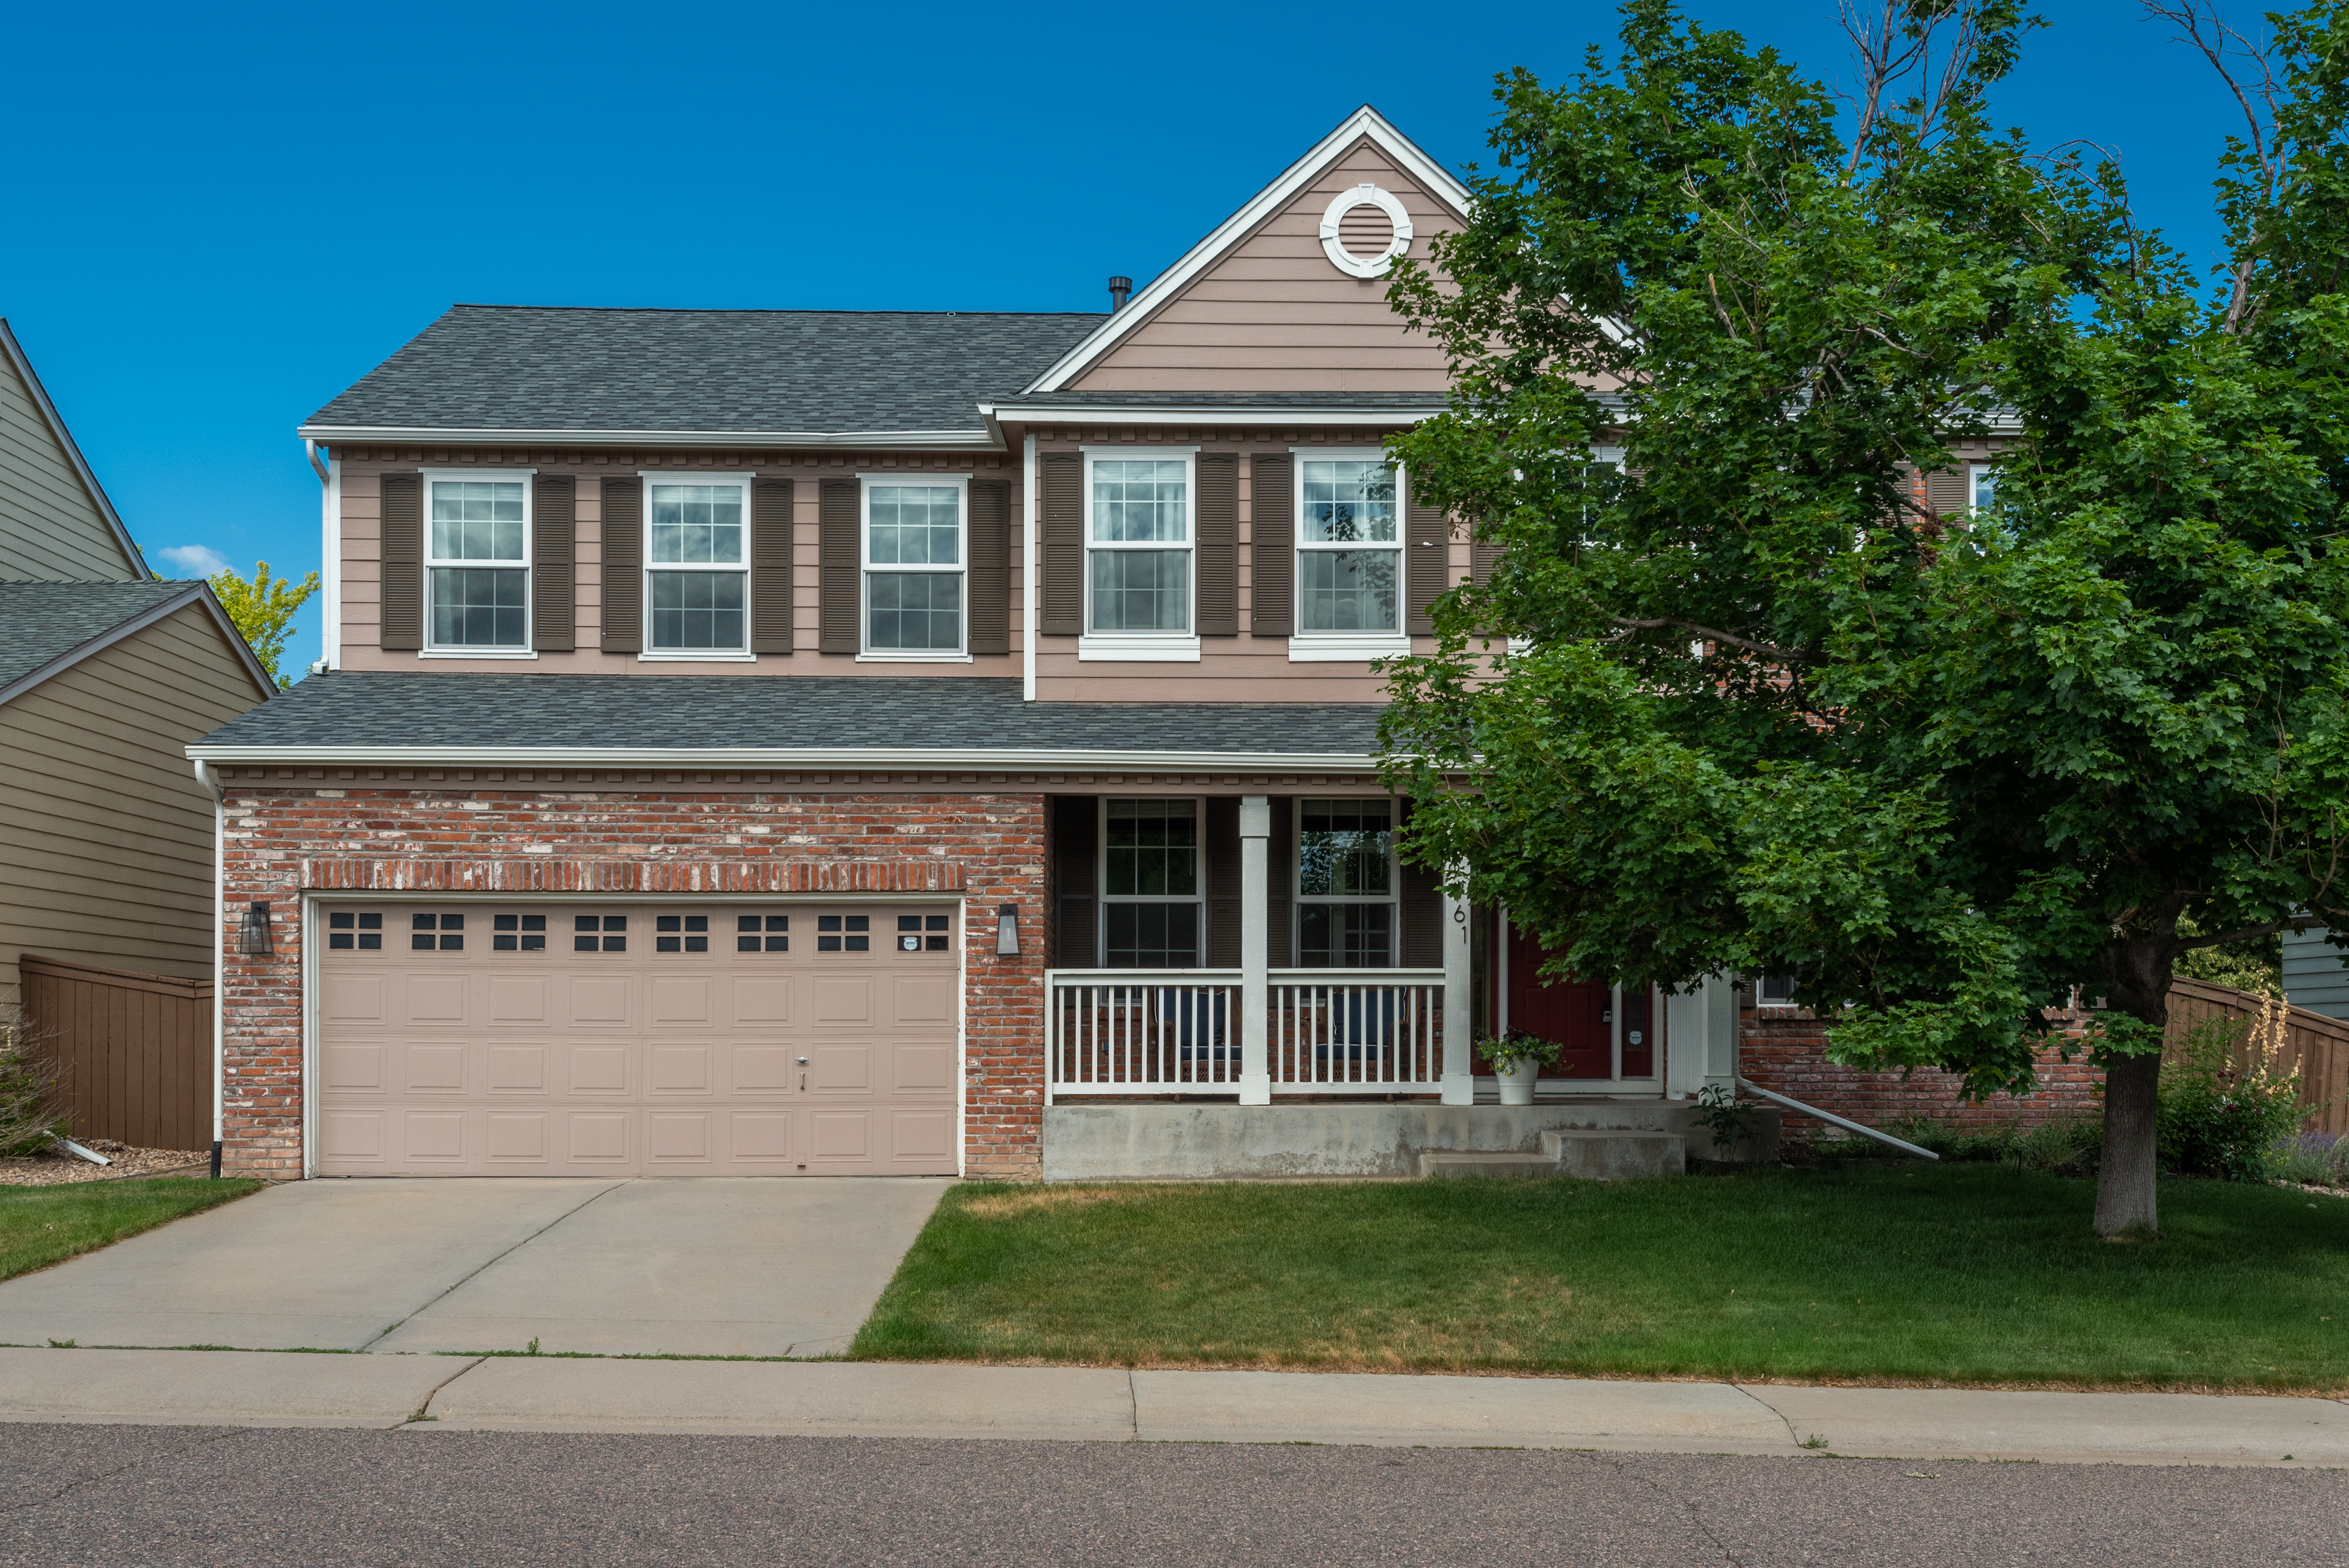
(2224, 1117)
(2309, 1159)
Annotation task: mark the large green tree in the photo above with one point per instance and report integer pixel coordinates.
(1742, 699)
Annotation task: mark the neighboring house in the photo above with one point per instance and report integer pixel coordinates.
(105, 675)
(795, 742)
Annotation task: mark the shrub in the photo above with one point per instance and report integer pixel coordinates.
(2221, 1116)
(2310, 1159)
(31, 1110)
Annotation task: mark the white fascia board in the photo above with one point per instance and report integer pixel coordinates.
(1164, 413)
(803, 758)
(989, 440)
(1363, 122)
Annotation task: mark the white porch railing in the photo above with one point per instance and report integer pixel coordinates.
(1177, 1031)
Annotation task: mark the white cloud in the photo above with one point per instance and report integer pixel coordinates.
(194, 560)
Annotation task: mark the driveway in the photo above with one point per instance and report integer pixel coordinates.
(631, 1268)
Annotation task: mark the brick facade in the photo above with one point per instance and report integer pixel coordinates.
(284, 839)
(1785, 1050)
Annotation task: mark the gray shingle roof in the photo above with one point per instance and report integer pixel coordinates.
(1402, 402)
(522, 713)
(41, 621)
(530, 368)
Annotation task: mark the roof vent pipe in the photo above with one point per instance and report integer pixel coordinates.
(1117, 289)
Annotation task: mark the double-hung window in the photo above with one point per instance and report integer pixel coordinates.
(477, 564)
(1349, 547)
(1150, 907)
(913, 567)
(1345, 884)
(1138, 556)
(697, 566)
(1981, 485)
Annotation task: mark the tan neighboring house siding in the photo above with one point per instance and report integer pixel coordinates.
(55, 525)
(105, 836)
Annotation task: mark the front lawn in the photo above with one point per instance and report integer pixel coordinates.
(44, 1225)
(1912, 1272)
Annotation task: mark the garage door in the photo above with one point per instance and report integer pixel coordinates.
(660, 1040)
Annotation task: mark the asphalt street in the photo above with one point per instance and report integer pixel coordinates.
(128, 1496)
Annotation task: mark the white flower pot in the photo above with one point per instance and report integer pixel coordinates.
(1518, 1082)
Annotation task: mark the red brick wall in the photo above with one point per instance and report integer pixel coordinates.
(283, 840)
(1786, 1051)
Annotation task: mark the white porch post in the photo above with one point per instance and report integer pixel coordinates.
(1255, 894)
(1459, 1006)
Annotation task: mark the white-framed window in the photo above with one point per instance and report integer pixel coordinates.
(1152, 892)
(476, 562)
(1141, 576)
(1345, 884)
(1350, 555)
(1981, 485)
(1774, 990)
(697, 566)
(914, 560)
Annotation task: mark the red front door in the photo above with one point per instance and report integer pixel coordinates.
(1572, 1013)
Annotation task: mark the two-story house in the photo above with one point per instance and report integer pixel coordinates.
(767, 741)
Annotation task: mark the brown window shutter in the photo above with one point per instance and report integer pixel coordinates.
(989, 608)
(1280, 899)
(836, 569)
(1222, 889)
(1482, 558)
(1426, 560)
(1063, 481)
(1419, 915)
(1945, 492)
(1273, 546)
(1218, 564)
(624, 566)
(401, 557)
(770, 566)
(553, 564)
(1075, 837)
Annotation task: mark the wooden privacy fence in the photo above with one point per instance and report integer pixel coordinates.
(2317, 1046)
(134, 1052)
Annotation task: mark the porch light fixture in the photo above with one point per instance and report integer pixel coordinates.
(253, 940)
(1006, 931)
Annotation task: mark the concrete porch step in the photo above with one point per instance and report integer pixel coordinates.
(1608, 1155)
(1435, 1164)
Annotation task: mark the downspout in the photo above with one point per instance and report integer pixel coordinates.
(1774, 1098)
(1028, 607)
(206, 777)
(330, 471)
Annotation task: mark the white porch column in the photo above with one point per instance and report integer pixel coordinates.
(1459, 1006)
(1701, 1037)
(1255, 894)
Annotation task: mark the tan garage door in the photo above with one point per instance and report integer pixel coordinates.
(561, 1039)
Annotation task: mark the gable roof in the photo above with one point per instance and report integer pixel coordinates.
(1365, 124)
(135, 563)
(799, 377)
(46, 628)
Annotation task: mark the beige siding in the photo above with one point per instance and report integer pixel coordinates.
(1274, 316)
(51, 530)
(106, 837)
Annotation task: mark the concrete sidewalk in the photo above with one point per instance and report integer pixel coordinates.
(442, 1394)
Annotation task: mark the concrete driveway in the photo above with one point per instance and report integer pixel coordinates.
(646, 1267)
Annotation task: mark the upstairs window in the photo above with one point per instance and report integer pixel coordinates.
(697, 557)
(914, 570)
(477, 564)
(1345, 884)
(1138, 545)
(1150, 908)
(1349, 547)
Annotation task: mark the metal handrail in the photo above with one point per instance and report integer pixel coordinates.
(1792, 1104)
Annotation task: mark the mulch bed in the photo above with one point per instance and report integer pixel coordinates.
(53, 1167)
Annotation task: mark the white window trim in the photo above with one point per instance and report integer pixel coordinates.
(650, 654)
(1346, 648)
(1143, 647)
(1974, 473)
(529, 649)
(1299, 898)
(1198, 877)
(960, 483)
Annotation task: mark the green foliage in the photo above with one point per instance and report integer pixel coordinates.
(1517, 1047)
(1721, 1113)
(2255, 965)
(264, 610)
(32, 1112)
(2060, 1146)
(2223, 1115)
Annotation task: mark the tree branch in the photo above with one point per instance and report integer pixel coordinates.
(1792, 656)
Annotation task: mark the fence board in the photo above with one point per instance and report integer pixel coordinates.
(133, 1051)
(2313, 1044)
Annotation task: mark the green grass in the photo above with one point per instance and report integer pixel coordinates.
(45, 1226)
(1963, 1273)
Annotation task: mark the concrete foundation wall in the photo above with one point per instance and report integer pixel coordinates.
(1242, 1142)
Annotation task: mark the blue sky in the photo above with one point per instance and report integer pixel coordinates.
(231, 214)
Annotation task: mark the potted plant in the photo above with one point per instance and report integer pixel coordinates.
(1517, 1059)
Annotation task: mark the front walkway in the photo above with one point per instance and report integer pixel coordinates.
(707, 1267)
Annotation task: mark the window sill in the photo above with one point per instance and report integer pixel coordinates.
(686, 658)
(478, 653)
(890, 658)
(1347, 647)
(1137, 649)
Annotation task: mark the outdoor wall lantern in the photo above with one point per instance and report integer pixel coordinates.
(1007, 930)
(254, 941)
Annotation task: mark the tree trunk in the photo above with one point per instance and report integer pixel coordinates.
(2125, 1177)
